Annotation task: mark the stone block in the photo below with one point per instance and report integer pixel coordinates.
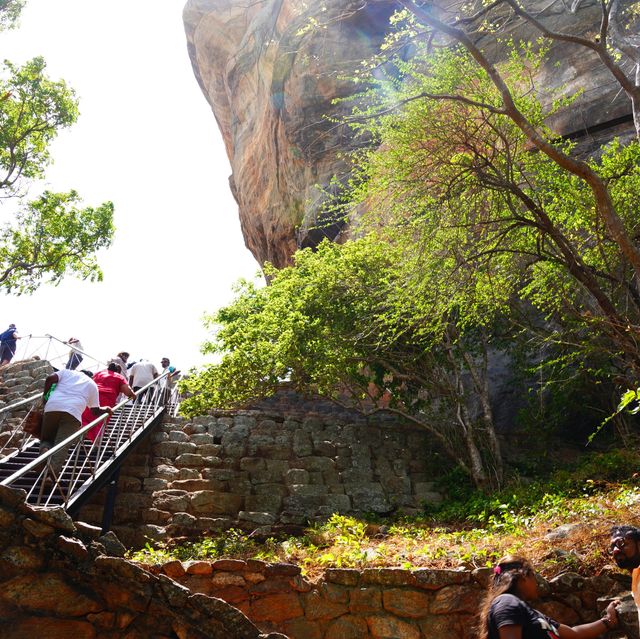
(347, 627)
(225, 474)
(456, 599)
(209, 450)
(201, 438)
(338, 503)
(153, 484)
(278, 490)
(47, 593)
(188, 473)
(178, 436)
(302, 443)
(365, 600)
(193, 485)
(49, 628)
(208, 501)
(335, 593)
(259, 518)
(431, 579)
(343, 576)
(356, 476)
(317, 464)
(297, 476)
(183, 519)
(406, 603)
(276, 608)
(306, 490)
(183, 448)
(278, 468)
(324, 449)
(264, 503)
(166, 471)
(213, 462)
(253, 464)
(302, 628)
(155, 516)
(391, 628)
(234, 444)
(165, 449)
(368, 497)
(190, 460)
(195, 429)
(196, 567)
(387, 577)
(316, 607)
(306, 504)
(169, 501)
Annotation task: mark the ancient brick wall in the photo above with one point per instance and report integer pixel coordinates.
(18, 381)
(58, 580)
(384, 603)
(270, 468)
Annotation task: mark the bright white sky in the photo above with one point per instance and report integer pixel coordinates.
(147, 140)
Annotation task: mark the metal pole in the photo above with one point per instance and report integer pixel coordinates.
(112, 492)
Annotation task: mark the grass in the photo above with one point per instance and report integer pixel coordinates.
(472, 530)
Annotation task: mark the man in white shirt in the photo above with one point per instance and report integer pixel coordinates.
(67, 393)
(140, 374)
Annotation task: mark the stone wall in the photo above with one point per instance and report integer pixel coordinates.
(268, 471)
(18, 381)
(58, 579)
(384, 603)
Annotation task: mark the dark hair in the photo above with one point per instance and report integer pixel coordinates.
(86, 372)
(123, 355)
(113, 367)
(626, 531)
(507, 573)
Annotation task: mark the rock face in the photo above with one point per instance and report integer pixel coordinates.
(271, 83)
(57, 581)
(271, 74)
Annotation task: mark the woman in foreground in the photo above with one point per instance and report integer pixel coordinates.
(504, 614)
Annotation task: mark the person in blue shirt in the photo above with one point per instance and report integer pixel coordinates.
(8, 344)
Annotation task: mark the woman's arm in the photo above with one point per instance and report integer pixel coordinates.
(593, 629)
(510, 632)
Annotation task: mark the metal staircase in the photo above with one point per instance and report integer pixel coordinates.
(88, 465)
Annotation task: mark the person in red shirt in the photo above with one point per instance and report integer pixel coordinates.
(110, 384)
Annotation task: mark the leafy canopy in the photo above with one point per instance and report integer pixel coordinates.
(52, 235)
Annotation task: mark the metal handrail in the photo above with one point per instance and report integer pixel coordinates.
(42, 351)
(82, 458)
(18, 438)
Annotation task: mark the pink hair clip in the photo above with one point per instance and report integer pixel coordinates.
(497, 570)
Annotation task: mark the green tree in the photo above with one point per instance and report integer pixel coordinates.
(342, 322)
(33, 110)
(52, 235)
(493, 217)
(9, 13)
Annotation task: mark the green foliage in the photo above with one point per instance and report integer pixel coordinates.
(9, 13)
(33, 109)
(344, 321)
(52, 235)
(565, 495)
(50, 238)
(232, 543)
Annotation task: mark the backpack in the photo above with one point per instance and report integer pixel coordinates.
(7, 335)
